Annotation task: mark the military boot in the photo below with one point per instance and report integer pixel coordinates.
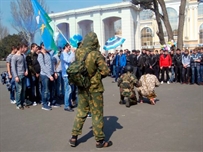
(127, 102)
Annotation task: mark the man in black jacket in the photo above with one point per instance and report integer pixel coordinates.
(153, 63)
(33, 74)
(133, 61)
(178, 66)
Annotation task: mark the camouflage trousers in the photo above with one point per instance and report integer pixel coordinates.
(151, 95)
(93, 105)
(131, 95)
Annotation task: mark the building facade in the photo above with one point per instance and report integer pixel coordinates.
(193, 27)
(137, 26)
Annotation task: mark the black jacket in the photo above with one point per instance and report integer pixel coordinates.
(33, 64)
(133, 60)
(178, 60)
(153, 61)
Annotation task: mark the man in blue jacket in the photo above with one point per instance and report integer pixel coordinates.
(120, 62)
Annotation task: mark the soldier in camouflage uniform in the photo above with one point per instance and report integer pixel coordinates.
(127, 82)
(92, 99)
(147, 84)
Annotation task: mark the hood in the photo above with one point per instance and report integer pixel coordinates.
(91, 42)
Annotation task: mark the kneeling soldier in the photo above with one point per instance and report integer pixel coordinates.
(126, 82)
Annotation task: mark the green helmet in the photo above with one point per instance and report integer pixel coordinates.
(128, 68)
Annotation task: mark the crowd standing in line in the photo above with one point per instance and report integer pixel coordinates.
(38, 77)
(178, 66)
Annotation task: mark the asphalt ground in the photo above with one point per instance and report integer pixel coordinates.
(175, 123)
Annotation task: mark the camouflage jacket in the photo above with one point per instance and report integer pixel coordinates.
(148, 82)
(95, 64)
(127, 81)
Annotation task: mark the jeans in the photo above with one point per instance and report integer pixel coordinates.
(114, 70)
(12, 91)
(67, 97)
(119, 71)
(186, 75)
(201, 73)
(48, 91)
(172, 74)
(20, 90)
(134, 70)
(195, 74)
(59, 85)
(73, 92)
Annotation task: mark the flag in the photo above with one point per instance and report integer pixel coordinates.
(43, 22)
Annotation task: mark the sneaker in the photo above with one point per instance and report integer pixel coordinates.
(47, 108)
(69, 109)
(168, 82)
(56, 105)
(162, 82)
(20, 107)
(13, 102)
(34, 104)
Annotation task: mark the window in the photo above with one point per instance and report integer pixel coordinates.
(173, 19)
(201, 34)
(146, 14)
(146, 36)
(200, 9)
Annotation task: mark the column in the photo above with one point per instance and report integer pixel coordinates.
(137, 31)
(98, 28)
(128, 29)
(195, 23)
(190, 24)
(72, 25)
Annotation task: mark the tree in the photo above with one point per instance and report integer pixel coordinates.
(24, 20)
(3, 30)
(181, 24)
(151, 4)
(11, 40)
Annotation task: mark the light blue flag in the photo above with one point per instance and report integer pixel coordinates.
(43, 21)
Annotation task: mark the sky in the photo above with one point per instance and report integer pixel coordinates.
(53, 5)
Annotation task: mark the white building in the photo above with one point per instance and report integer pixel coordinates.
(137, 26)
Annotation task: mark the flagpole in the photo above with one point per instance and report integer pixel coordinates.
(57, 29)
(61, 33)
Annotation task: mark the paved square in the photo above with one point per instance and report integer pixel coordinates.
(175, 123)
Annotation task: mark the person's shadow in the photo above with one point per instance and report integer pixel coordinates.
(110, 126)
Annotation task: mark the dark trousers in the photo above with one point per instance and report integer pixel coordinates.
(156, 71)
(178, 73)
(163, 71)
(139, 72)
(186, 75)
(119, 71)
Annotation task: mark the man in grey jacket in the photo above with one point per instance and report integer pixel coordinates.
(19, 70)
(47, 75)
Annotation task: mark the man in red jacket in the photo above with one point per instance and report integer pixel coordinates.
(165, 62)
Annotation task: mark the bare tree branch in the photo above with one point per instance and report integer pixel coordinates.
(23, 17)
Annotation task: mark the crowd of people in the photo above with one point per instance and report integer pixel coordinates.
(180, 66)
(37, 77)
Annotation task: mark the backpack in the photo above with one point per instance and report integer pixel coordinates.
(78, 74)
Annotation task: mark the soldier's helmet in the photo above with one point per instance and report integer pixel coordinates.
(128, 68)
